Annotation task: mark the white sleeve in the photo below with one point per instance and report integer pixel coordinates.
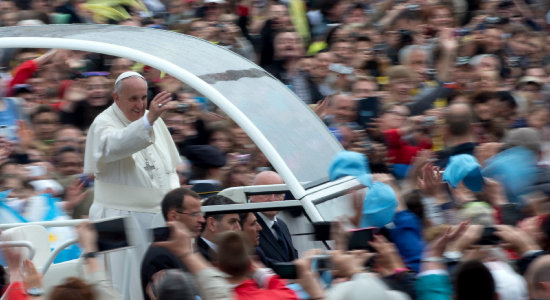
(111, 144)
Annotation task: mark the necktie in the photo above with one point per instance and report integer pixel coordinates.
(281, 240)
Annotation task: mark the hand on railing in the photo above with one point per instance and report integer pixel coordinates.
(31, 277)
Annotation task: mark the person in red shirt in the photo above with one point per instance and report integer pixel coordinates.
(396, 129)
(233, 259)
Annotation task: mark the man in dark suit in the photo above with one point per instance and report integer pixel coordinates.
(180, 205)
(275, 240)
(214, 224)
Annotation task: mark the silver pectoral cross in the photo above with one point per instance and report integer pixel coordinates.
(149, 168)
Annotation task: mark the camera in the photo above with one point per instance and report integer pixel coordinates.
(183, 107)
(462, 31)
(431, 73)
(429, 121)
(405, 37)
(514, 62)
(462, 60)
(340, 69)
(492, 20)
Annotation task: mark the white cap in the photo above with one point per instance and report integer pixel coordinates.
(215, 1)
(128, 74)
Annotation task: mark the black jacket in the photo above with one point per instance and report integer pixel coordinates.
(270, 246)
(157, 259)
(204, 249)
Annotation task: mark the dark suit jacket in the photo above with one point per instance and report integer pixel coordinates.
(157, 259)
(204, 249)
(444, 156)
(271, 248)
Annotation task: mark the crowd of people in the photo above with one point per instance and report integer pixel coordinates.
(441, 107)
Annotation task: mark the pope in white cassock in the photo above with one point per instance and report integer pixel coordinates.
(132, 155)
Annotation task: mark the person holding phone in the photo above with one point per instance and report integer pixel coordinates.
(181, 206)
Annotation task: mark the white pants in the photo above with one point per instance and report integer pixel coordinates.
(115, 261)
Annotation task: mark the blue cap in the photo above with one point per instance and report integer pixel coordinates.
(379, 205)
(515, 168)
(5, 194)
(465, 168)
(348, 163)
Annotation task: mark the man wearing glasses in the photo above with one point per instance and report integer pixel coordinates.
(181, 205)
(275, 240)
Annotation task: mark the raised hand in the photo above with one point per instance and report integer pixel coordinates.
(161, 103)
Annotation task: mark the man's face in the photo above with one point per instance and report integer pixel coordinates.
(538, 119)
(344, 109)
(229, 222)
(489, 63)
(200, 29)
(288, 45)
(484, 111)
(356, 16)
(279, 16)
(42, 6)
(252, 229)
(488, 80)
(119, 66)
(417, 62)
(69, 137)
(175, 124)
(132, 98)
(442, 18)
(97, 88)
(69, 163)
(45, 125)
(10, 18)
(401, 88)
(268, 198)
(536, 72)
(343, 51)
(363, 52)
(493, 40)
(268, 178)
(520, 44)
(395, 117)
(364, 89)
(191, 216)
(322, 63)
(239, 136)
(212, 11)
(222, 141)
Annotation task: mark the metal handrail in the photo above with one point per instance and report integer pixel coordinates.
(57, 250)
(25, 244)
(251, 207)
(54, 254)
(46, 224)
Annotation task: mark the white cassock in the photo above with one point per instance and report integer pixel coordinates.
(134, 166)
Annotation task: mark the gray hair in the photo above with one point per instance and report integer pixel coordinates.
(177, 284)
(476, 60)
(118, 84)
(406, 51)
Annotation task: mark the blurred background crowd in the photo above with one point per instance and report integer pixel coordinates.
(409, 84)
